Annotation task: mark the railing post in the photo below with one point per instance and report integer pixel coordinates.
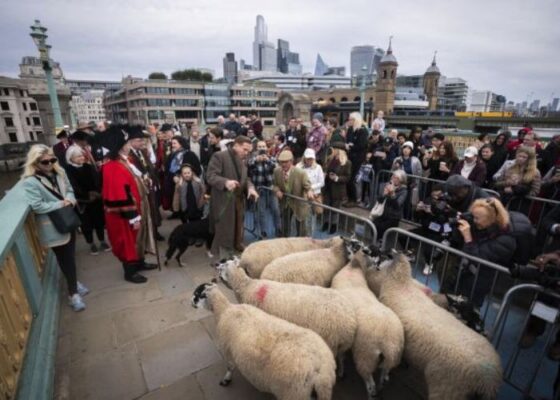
(28, 273)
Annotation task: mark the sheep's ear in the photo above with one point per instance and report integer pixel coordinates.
(214, 280)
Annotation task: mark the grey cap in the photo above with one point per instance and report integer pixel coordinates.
(456, 182)
(318, 116)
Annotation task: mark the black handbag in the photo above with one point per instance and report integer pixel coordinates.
(65, 219)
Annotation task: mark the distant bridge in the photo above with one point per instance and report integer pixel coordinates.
(475, 124)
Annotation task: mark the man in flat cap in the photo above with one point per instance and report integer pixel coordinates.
(287, 179)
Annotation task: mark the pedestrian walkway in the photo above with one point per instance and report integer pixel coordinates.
(147, 342)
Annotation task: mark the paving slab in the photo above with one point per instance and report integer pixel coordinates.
(176, 353)
(113, 376)
(92, 336)
(186, 388)
(148, 319)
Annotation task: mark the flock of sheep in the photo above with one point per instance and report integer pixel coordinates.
(304, 303)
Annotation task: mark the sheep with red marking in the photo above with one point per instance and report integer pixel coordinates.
(457, 362)
(259, 254)
(325, 311)
(275, 356)
(379, 339)
(311, 267)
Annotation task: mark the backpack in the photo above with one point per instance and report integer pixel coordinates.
(525, 234)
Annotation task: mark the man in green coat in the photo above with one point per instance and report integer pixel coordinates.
(287, 179)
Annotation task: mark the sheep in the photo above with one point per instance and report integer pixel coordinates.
(311, 267)
(259, 254)
(275, 356)
(457, 362)
(324, 311)
(379, 339)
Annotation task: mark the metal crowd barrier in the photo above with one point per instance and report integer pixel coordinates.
(454, 272)
(535, 208)
(346, 223)
(538, 309)
(423, 185)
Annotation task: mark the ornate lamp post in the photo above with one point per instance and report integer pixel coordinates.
(38, 33)
(362, 91)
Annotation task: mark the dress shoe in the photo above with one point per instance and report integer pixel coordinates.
(144, 266)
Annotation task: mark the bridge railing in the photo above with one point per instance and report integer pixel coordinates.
(29, 304)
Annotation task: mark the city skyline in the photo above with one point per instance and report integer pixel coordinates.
(512, 58)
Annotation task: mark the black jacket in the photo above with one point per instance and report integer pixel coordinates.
(474, 193)
(394, 205)
(506, 246)
(84, 179)
(359, 145)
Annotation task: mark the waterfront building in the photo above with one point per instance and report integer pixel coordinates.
(20, 120)
(32, 76)
(295, 82)
(144, 101)
(88, 106)
(79, 86)
(453, 94)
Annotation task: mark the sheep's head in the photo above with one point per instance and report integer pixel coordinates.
(352, 246)
(382, 265)
(199, 298)
(227, 268)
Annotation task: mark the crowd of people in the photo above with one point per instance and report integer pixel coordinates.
(124, 179)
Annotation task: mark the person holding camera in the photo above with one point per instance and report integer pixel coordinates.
(461, 193)
(393, 196)
(260, 169)
(489, 233)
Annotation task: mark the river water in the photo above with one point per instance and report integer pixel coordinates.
(7, 180)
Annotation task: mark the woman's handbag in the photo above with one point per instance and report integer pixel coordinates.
(377, 210)
(65, 219)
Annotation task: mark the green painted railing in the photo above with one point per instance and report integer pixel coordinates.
(29, 304)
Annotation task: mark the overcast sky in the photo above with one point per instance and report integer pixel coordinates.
(510, 47)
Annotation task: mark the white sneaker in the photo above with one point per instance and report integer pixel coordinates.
(77, 303)
(428, 268)
(82, 289)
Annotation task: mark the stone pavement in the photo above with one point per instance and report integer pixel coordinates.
(147, 342)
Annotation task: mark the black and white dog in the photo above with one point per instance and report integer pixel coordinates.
(187, 234)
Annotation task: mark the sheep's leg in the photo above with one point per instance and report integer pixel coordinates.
(227, 377)
(340, 365)
(371, 388)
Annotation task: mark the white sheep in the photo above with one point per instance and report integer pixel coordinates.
(275, 356)
(311, 267)
(457, 362)
(379, 339)
(324, 311)
(259, 254)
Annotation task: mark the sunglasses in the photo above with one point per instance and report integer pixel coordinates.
(47, 162)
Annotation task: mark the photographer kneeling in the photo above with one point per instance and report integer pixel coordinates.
(490, 235)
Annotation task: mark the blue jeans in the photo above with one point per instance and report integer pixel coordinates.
(268, 205)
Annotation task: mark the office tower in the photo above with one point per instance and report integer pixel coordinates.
(230, 68)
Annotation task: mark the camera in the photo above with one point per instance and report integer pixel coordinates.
(467, 216)
(262, 152)
(549, 277)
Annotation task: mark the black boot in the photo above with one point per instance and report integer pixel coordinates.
(144, 266)
(159, 237)
(332, 231)
(131, 273)
(325, 227)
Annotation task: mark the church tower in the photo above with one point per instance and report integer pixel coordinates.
(431, 81)
(386, 82)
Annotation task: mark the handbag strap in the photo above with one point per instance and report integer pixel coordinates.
(55, 194)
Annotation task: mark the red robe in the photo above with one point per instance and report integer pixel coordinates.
(122, 203)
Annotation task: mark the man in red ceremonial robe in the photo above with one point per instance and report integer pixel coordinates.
(127, 215)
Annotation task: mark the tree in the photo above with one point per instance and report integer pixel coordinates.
(191, 75)
(157, 75)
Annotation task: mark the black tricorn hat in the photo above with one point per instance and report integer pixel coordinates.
(114, 138)
(166, 127)
(136, 132)
(339, 145)
(80, 135)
